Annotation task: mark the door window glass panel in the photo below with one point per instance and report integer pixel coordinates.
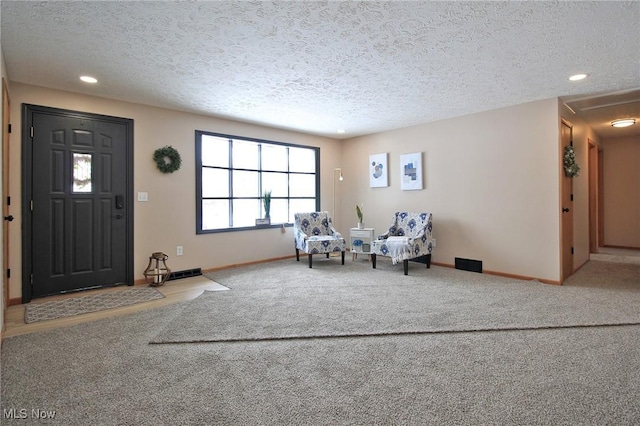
(81, 172)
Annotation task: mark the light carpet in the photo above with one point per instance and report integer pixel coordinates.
(93, 303)
(274, 303)
(105, 372)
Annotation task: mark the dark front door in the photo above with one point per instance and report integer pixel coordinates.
(80, 211)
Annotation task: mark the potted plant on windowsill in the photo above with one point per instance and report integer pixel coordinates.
(266, 201)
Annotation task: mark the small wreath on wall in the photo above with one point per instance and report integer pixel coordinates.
(571, 168)
(167, 159)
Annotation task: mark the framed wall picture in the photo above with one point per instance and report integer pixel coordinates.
(378, 170)
(411, 171)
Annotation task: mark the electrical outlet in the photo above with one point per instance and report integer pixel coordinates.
(433, 241)
(179, 251)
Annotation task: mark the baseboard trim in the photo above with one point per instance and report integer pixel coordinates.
(523, 277)
(15, 301)
(621, 247)
(255, 262)
(142, 281)
(505, 274)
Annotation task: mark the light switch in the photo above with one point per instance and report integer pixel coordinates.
(143, 196)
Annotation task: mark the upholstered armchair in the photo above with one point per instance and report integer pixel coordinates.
(314, 234)
(408, 237)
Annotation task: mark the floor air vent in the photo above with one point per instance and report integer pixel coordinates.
(469, 264)
(185, 274)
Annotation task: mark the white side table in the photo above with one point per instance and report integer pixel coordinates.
(360, 241)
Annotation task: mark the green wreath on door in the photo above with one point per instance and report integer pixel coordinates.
(571, 168)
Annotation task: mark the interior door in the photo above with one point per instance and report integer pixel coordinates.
(81, 201)
(567, 209)
(8, 218)
(593, 197)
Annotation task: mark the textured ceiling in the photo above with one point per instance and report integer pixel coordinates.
(316, 67)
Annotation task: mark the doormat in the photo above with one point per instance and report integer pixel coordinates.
(86, 304)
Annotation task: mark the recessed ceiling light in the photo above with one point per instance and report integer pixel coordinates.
(88, 79)
(577, 77)
(341, 131)
(626, 122)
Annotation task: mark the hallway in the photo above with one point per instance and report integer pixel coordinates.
(618, 255)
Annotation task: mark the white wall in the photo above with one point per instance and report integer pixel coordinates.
(168, 218)
(491, 181)
(621, 164)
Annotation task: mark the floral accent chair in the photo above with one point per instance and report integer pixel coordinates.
(314, 234)
(408, 237)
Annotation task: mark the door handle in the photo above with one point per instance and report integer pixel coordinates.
(119, 216)
(9, 218)
(565, 210)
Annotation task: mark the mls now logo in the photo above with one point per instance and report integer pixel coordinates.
(23, 413)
